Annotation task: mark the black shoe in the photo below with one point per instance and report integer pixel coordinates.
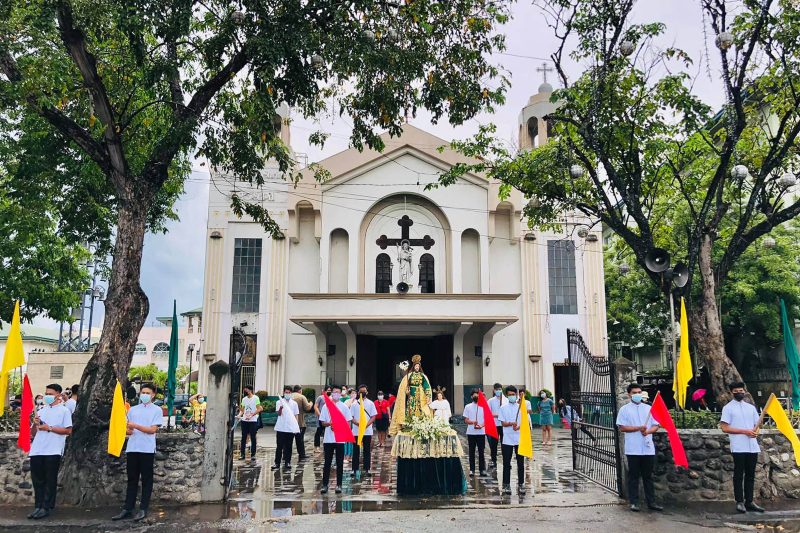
(32, 513)
(124, 514)
(367, 473)
(655, 507)
(141, 515)
(274, 467)
(324, 489)
(338, 489)
(521, 489)
(635, 507)
(506, 489)
(41, 513)
(287, 466)
(353, 473)
(740, 507)
(241, 457)
(471, 473)
(753, 507)
(302, 458)
(483, 473)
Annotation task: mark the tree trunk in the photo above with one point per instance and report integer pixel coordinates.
(707, 328)
(87, 465)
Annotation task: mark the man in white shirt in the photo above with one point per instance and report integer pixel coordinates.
(476, 434)
(249, 411)
(52, 423)
(285, 428)
(495, 403)
(634, 420)
(330, 445)
(511, 419)
(371, 413)
(319, 403)
(144, 420)
(72, 402)
(740, 421)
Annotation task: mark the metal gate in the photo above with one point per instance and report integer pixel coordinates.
(595, 440)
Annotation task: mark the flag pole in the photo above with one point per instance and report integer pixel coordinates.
(764, 413)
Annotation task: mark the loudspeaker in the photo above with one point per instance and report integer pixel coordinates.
(402, 287)
(657, 260)
(680, 275)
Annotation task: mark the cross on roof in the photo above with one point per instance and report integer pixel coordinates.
(405, 223)
(544, 69)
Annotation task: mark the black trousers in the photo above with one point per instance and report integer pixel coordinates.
(318, 435)
(329, 448)
(283, 448)
(744, 475)
(367, 442)
(507, 450)
(44, 477)
(478, 441)
(140, 466)
(300, 443)
(641, 466)
(493, 442)
(248, 428)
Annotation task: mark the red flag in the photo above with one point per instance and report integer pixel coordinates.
(341, 429)
(488, 418)
(24, 439)
(660, 414)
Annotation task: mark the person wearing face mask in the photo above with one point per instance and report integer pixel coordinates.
(371, 413)
(634, 420)
(144, 419)
(198, 403)
(495, 403)
(52, 423)
(383, 407)
(740, 421)
(304, 406)
(546, 410)
(249, 411)
(330, 445)
(476, 434)
(511, 419)
(285, 428)
(319, 403)
(38, 402)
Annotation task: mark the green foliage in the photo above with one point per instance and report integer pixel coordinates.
(268, 406)
(262, 395)
(310, 394)
(148, 374)
(695, 419)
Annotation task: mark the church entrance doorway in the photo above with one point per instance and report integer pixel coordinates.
(378, 358)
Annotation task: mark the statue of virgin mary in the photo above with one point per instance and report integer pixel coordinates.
(413, 396)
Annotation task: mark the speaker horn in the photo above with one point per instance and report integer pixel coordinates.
(680, 275)
(657, 260)
(402, 287)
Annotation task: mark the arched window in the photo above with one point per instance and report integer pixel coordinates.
(383, 273)
(426, 276)
(140, 348)
(162, 348)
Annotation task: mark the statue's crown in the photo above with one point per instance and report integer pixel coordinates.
(416, 359)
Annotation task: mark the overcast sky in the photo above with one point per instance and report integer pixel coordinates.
(173, 263)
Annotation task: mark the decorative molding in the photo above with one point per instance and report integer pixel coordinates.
(395, 296)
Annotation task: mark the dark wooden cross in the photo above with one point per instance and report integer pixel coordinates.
(544, 69)
(405, 223)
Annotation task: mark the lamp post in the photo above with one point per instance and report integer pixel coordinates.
(657, 260)
(190, 352)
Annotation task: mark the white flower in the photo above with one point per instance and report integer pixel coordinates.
(404, 366)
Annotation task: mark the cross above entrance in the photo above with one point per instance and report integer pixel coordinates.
(405, 223)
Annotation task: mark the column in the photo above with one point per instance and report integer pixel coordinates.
(322, 349)
(488, 341)
(458, 366)
(217, 387)
(350, 336)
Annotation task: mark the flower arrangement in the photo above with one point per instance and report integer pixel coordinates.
(426, 429)
(404, 366)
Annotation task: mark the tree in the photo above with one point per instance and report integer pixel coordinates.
(133, 89)
(632, 141)
(148, 373)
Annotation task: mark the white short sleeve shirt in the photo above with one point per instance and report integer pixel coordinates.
(355, 412)
(495, 404)
(47, 442)
(250, 409)
(632, 414)
(144, 414)
(325, 416)
(474, 412)
(510, 412)
(285, 424)
(741, 415)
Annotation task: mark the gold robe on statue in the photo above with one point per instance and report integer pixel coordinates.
(420, 401)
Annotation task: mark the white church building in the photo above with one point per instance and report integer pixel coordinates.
(373, 269)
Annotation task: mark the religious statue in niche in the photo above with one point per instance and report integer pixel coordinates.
(405, 261)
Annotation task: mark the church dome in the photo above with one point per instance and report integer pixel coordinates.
(545, 88)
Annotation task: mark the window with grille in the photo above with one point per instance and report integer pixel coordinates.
(561, 277)
(57, 372)
(426, 277)
(140, 348)
(246, 275)
(383, 273)
(162, 348)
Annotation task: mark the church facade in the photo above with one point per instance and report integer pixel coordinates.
(374, 269)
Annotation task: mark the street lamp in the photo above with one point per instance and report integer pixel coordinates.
(627, 47)
(189, 352)
(624, 268)
(768, 242)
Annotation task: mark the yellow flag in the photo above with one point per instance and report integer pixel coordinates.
(525, 447)
(362, 422)
(776, 412)
(14, 356)
(118, 425)
(683, 367)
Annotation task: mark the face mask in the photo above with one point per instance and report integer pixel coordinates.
(145, 398)
(49, 399)
(543, 395)
(498, 393)
(474, 399)
(636, 398)
(327, 393)
(39, 401)
(738, 396)
(380, 396)
(287, 396)
(336, 396)
(512, 399)
(201, 399)
(362, 394)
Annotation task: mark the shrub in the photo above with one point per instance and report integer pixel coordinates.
(268, 406)
(262, 395)
(695, 419)
(310, 394)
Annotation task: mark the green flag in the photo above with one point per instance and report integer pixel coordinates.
(173, 360)
(792, 359)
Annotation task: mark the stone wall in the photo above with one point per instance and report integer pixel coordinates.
(711, 467)
(178, 463)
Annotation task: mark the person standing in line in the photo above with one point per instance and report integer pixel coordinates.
(383, 408)
(329, 443)
(198, 403)
(546, 410)
(495, 403)
(348, 402)
(319, 403)
(285, 429)
(52, 423)
(635, 421)
(144, 420)
(304, 406)
(569, 414)
(740, 421)
(476, 434)
(371, 413)
(511, 419)
(72, 401)
(249, 411)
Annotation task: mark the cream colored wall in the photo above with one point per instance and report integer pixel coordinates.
(339, 259)
(40, 364)
(470, 262)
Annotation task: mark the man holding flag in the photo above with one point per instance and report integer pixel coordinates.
(364, 413)
(476, 432)
(514, 419)
(335, 417)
